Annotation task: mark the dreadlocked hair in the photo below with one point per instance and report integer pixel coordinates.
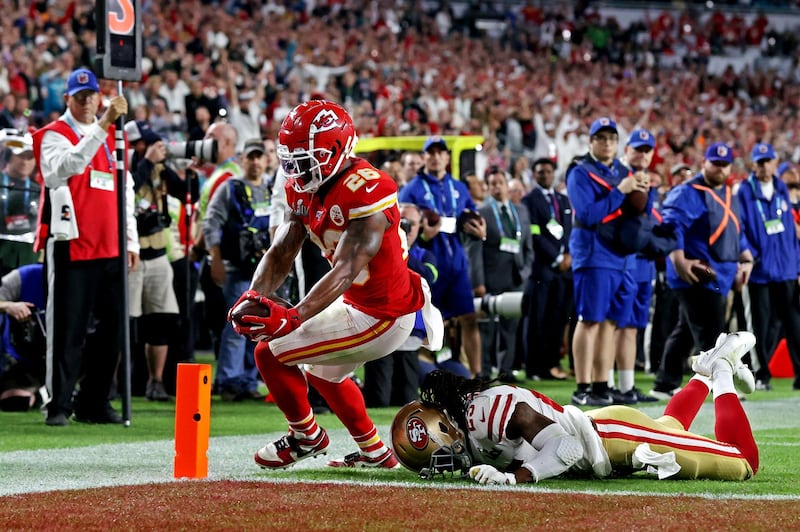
(452, 393)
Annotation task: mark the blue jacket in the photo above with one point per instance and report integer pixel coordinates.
(694, 216)
(776, 256)
(423, 262)
(592, 190)
(447, 197)
(32, 291)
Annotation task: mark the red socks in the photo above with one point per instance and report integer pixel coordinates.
(733, 427)
(347, 403)
(685, 404)
(287, 384)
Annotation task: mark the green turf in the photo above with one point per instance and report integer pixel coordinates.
(774, 416)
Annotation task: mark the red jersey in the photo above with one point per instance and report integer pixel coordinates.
(385, 288)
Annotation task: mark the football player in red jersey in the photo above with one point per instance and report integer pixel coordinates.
(363, 309)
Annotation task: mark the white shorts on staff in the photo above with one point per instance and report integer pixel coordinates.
(150, 288)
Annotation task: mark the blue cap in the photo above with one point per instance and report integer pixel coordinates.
(82, 79)
(434, 140)
(641, 137)
(762, 151)
(783, 167)
(719, 151)
(602, 123)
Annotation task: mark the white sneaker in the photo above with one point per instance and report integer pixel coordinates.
(743, 379)
(729, 347)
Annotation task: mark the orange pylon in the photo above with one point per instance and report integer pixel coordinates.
(192, 420)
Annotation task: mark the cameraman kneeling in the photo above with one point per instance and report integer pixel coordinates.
(22, 339)
(236, 233)
(152, 297)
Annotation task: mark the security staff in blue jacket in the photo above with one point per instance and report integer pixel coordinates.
(604, 287)
(434, 189)
(712, 251)
(639, 150)
(768, 223)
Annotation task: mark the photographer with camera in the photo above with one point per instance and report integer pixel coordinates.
(22, 339)
(224, 137)
(152, 296)
(236, 233)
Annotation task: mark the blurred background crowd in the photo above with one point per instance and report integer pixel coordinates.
(529, 77)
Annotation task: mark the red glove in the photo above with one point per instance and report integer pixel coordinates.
(280, 321)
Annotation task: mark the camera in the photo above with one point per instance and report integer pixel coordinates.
(507, 305)
(204, 150)
(405, 225)
(149, 220)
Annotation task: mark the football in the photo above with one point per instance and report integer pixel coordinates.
(249, 308)
(466, 216)
(635, 202)
(431, 215)
(704, 272)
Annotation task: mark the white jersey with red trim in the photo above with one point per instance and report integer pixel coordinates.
(488, 415)
(385, 288)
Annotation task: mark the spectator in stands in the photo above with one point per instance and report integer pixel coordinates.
(174, 91)
(196, 99)
(245, 113)
(516, 189)
(411, 162)
(19, 200)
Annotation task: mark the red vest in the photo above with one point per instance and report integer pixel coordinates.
(95, 209)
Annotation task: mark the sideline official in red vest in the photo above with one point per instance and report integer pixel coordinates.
(78, 230)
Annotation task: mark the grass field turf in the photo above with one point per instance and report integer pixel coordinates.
(36, 458)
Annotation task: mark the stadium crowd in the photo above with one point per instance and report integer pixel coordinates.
(531, 80)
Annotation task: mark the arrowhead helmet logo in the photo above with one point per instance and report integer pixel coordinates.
(325, 120)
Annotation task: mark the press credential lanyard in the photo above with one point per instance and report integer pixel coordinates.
(773, 226)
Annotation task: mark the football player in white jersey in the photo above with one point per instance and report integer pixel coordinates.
(516, 435)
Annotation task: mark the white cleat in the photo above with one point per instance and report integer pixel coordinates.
(743, 379)
(288, 450)
(729, 347)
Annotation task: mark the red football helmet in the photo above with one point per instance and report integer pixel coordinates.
(315, 139)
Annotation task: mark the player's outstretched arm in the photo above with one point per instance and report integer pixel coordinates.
(359, 243)
(277, 262)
